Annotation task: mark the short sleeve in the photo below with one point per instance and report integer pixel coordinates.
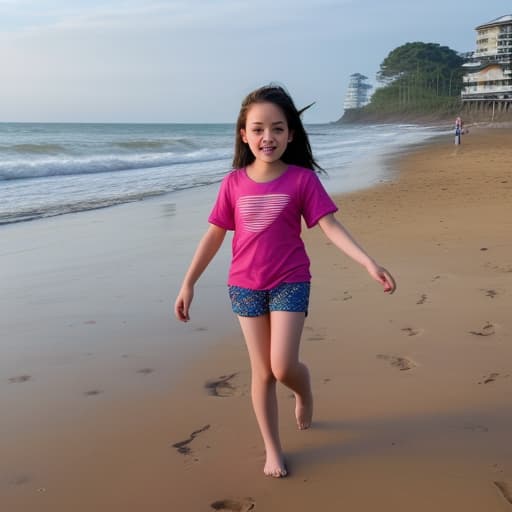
(316, 202)
(222, 213)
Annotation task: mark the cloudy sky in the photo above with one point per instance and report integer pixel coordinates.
(194, 60)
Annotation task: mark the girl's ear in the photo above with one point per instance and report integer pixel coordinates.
(242, 134)
(290, 136)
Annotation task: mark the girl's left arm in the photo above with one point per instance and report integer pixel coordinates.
(342, 239)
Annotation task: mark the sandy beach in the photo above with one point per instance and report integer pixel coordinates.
(412, 391)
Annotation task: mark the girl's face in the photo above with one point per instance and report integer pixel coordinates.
(266, 131)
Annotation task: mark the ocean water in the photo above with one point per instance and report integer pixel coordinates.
(56, 169)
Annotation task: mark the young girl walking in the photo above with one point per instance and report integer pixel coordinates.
(263, 200)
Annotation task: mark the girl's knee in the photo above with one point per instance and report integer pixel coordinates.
(284, 372)
(264, 376)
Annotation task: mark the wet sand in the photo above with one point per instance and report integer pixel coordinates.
(412, 391)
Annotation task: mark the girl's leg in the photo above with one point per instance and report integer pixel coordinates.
(256, 332)
(286, 331)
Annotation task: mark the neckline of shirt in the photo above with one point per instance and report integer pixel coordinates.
(244, 169)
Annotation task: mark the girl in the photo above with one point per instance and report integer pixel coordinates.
(263, 199)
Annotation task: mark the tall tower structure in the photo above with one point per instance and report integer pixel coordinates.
(357, 92)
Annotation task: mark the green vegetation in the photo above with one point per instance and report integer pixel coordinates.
(418, 79)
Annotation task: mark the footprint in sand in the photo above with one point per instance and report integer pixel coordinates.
(486, 379)
(93, 392)
(169, 209)
(182, 446)
(222, 386)
(411, 331)
(346, 295)
(505, 490)
(402, 363)
(234, 505)
(422, 299)
(498, 268)
(490, 293)
(19, 379)
(476, 428)
(146, 371)
(316, 335)
(486, 330)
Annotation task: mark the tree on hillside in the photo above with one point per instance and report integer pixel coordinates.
(413, 59)
(418, 76)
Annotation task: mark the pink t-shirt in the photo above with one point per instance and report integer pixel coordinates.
(266, 217)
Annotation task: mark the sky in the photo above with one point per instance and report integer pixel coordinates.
(193, 61)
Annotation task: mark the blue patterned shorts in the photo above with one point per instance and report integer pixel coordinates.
(292, 297)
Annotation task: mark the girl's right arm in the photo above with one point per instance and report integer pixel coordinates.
(206, 250)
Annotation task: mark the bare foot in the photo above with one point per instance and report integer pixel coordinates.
(304, 411)
(275, 466)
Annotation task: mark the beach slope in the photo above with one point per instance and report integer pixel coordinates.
(412, 390)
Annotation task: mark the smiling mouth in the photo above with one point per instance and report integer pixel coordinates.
(268, 149)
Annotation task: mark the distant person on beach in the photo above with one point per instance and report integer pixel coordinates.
(459, 130)
(272, 187)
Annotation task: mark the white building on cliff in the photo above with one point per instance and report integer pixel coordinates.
(357, 92)
(488, 70)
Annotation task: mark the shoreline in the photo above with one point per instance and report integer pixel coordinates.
(90, 188)
(504, 119)
(409, 400)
